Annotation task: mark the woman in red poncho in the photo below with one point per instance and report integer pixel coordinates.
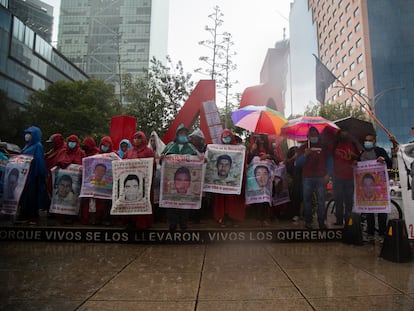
(229, 208)
(138, 151)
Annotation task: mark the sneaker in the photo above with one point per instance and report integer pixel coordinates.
(380, 239)
(295, 218)
(370, 238)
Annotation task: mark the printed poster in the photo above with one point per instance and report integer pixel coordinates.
(371, 193)
(406, 172)
(132, 186)
(3, 164)
(66, 189)
(224, 169)
(181, 181)
(260, 175)
(97, 179)
(280, 189)
(17, 170)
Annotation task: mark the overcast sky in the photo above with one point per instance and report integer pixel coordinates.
(255, 27)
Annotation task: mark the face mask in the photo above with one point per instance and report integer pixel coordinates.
(368, 144)
(314, 140)
(226, 140)
(27, 137)
(274, 145)
(104, 148)
(182, 139)
(71, 144)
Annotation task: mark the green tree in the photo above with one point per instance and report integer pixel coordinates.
(156, 98)
(80, 107)
(336, 111)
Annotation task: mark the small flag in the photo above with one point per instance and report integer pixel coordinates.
(324, 78)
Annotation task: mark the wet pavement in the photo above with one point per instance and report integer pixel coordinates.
(216, 276)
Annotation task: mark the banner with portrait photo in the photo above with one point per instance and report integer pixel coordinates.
(181, 181)
(3, 164)
(280, 191)
(132, 186)
(97, 180)
(224, 168)
(371, 193)
(66, 189)
(259, 174)
(17, 170)
(406, 173)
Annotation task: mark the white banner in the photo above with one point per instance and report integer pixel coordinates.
(181, 181)
(406, 173)
(97, 177)
(260, 175)
(66, 190)
(225, 166)
(132, 186)
(371, 193)
(17, 170)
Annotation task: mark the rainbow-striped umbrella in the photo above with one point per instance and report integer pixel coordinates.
(258, 119)
(297, 129)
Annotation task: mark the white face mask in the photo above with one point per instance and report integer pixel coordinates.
(27, 137)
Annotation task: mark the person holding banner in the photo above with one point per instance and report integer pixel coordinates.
(89, 146)
(33, 197)
(138, 151)
(180, 145)
(124, 146)
(229, 209)
(373, 152)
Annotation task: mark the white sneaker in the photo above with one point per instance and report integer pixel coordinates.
(295, 218)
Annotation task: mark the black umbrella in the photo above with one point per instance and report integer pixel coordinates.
(356, 127)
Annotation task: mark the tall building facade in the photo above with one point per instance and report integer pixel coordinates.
(368, 45)
(36, 14)
(28, 62)
(108, 38)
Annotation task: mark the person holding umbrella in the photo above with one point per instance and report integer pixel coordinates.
(316, 164)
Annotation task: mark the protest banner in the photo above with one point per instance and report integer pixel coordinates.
(406, 173)
(371, 193)
(3, 164)
(224, 169)
(17, 170)
(97, 181)
(280, 193)
(66, 189)
(181, 181)
(132, 186)
(260, 175)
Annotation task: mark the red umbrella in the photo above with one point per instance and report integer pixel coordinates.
(297, 129)
(258, 119)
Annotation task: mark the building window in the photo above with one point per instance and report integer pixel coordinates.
(331, 59)
(353, 81)
(336, 38)
(356, 12)
(362, 91)
(348, 22)
(352, 66)
(342, 30)
(341, 17)
(339, 4)
(343, 44)
(345, 73)
(361, 75)
(337, 52)
(359, 59)
(357, 27)
(344, 58)
(338, 64)
(350, 36)
(351, 51)
(358, 43)
(330, 45)
(348, 7)
(334, 13)
(336, 25)
(340, 92)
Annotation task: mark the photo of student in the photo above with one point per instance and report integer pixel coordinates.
(262, 176)
(12, 181)
(224, 163)
(368, 187)
(131, 188)
(64, 193)
(182, 180)
(98, 176)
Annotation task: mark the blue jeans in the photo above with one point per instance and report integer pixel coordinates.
(343, 190)
(311, 185)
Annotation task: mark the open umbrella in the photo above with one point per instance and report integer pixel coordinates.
(258, 119)
(356, 127)
(297, 129)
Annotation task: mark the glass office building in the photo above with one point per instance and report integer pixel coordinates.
(35, 14)
(28, 62)
(108, 38)
(368, 45)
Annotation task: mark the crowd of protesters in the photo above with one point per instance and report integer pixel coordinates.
(310, 165)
